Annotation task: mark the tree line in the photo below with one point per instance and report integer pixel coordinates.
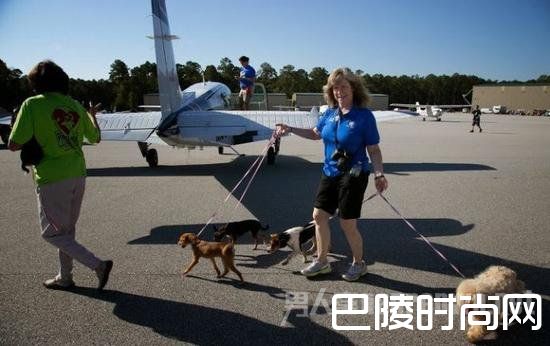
(126, 86)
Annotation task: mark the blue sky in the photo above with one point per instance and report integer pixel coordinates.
(499, 40)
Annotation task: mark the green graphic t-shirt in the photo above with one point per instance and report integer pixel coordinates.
(59, 125)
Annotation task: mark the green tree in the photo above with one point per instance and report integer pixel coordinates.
(120, 77)
(228, 72)
(291, 80)
(13, 87)
(318, 77)
(143, 80)
(189, 74)
(267, 76)
(211, 74)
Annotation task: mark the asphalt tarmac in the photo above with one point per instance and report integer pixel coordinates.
(481, 198)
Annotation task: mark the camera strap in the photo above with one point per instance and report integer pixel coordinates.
(339, 114)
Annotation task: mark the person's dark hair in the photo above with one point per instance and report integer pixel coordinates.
(47, 76)
(244, 59)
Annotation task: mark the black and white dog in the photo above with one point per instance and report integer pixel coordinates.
(239, 228)
(295, 238)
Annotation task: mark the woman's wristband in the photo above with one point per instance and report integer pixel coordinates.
(379, 176)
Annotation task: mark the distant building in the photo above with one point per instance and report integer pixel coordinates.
(379, 102)
(526, 97)
(152, 99)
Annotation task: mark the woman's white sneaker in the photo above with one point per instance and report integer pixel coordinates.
(355, 271)
(58, 283)
(316, 268)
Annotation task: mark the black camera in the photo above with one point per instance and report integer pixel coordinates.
(342, 159)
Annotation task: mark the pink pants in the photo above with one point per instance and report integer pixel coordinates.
(58, 209)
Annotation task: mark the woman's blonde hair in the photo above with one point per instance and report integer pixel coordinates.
(361, 96)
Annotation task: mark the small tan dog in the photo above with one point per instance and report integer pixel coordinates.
(495, 280)
(210, 250)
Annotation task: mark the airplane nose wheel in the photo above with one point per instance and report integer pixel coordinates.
(152, 158)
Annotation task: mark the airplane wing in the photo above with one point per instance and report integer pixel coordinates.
(217, 124)
(405, 105)
(412, 105)
(259, 125)
(392, 115)
(5, 120)
(129, 126)
(452, 106)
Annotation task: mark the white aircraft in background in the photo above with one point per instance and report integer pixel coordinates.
(198, 115)
(428, 111)
(5, 126)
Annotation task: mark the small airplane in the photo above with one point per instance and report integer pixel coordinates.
(428, 111)
(199, 115)
(5, 125)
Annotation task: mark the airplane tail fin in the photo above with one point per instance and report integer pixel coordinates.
(169, 88)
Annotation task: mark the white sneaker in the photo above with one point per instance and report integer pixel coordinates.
(58, 283)
(316, 268)
(355, 271)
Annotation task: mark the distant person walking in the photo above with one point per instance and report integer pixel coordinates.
(246, 78)
(477, 119)
(59, 123)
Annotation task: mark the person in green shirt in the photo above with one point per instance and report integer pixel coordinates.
(59, 125)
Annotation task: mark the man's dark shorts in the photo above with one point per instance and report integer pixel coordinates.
(476, 121)
(343, 192)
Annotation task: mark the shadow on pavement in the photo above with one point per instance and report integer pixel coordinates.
(208, 326)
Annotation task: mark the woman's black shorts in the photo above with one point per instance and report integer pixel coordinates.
(343, 192)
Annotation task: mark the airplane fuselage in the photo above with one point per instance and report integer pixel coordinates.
(206, 96)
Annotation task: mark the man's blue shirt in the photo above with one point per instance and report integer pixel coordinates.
(356, 130)
(246, 72)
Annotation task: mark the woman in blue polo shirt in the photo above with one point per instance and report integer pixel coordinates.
(348, 129)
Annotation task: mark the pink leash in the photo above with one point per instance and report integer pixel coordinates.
(260, 158)
(421, 236)
(414, 229)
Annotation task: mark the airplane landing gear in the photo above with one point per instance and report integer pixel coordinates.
(152, 158)
(220, 151)
(150, 155)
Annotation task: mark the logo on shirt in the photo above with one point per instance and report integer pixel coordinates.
(351, 124)
(65, 121)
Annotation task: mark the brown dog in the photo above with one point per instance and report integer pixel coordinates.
(210, 250)
(493, 281)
